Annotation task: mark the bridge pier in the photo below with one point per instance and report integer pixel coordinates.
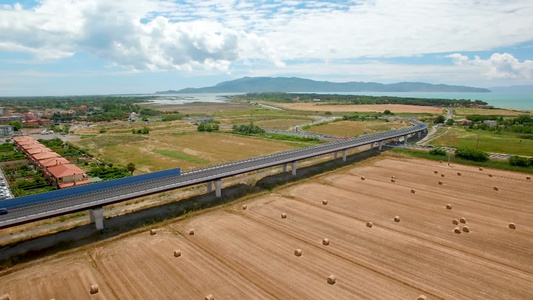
(209, 186)
(372, 146)
(218, 188)
(294, 166)
(344, 153)
(335, 155)
(405, 138)
(284, 168)
(380, 145)
(419, 134)
(97, 217)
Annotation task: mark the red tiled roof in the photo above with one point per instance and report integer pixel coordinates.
(32, 146)
(65, 170)
(43, 149)
(45, 155)
(69, 184)
(54, 162)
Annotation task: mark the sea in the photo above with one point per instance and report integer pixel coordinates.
(518, 101)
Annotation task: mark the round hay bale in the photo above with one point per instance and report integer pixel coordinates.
(441, 161)
(325, 242)
(441, 175)
(397, 219)
(440, 182)
(244, 207)
(422, 297)
(393, 177)
(528, 177)
(448, 206)
(177, 253)
(412, 191)
(455, 222)
(191, 231)
(324, 202)
(512, 226)
(152, 232)
(369, 224)
(5, 297)
(490, 175)
(331, 279)
(496, 188)
(458, 173)
(94, 289)
(392, 180)
(283, 215)
(462, 220)
(457, 230)
(298, 252)
(362, 177)
(209, 297)
(481, 169)
(436, 172)
(466, 229)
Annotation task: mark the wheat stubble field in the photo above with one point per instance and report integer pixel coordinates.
(249, 254)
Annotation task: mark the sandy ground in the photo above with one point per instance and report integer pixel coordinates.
(248, 254)
(395, 108)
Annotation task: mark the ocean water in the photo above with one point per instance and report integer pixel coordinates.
(520, 101)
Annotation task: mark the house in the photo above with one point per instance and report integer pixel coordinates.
(32, 123)
(6, 130)
(491, 123)
(38, 150)
(44, 155)
(67, 175)
(54, 162)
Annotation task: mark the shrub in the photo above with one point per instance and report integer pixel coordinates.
(437, 151)
(472, 154)
(520, 161)
(440, 119)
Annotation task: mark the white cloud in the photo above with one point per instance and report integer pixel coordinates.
(497, 66)
(214, 34)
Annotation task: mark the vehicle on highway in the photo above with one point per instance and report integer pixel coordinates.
(3, 211)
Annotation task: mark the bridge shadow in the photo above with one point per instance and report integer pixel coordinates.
(50, 244)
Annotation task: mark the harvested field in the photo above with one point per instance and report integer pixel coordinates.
(250, 254)
(493, 112)
(394, 108)
(200, 107)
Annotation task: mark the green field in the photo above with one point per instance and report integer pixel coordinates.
(487, 141)
(181, 156)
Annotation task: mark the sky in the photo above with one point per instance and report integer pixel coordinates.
(80, 47)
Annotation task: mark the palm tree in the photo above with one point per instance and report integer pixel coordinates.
(131, 168)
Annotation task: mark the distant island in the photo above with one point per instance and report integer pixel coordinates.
(295, 84)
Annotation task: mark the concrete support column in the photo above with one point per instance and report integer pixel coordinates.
(97, 217)
(405, 139)
(284, 168)
(419, 134)
(380, 145)
(209, 186)
(294, 166)
(344, 153)
(335, 155)
(218, 188)
(372, 146)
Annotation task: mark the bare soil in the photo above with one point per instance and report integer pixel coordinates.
(395, 108)
(249, 254)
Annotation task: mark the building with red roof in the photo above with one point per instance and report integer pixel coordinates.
(54, 162)
(68, 175)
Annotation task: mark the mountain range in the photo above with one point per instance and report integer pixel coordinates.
(295, 84)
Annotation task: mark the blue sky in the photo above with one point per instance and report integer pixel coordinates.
(64, 47)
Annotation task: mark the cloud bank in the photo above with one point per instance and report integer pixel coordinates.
(160, 35)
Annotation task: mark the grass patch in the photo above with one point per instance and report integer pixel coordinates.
(181, 156)
(488, 141)
(87, 136)
(294, 138)
(502, 165)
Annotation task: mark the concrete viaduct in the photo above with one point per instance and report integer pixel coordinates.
(49, 205)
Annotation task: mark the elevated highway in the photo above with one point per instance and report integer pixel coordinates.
(48, 205)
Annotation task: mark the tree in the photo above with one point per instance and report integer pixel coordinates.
(450, 122)
(131, 168)
(440, 119)
(387, 112)
(16, 125)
